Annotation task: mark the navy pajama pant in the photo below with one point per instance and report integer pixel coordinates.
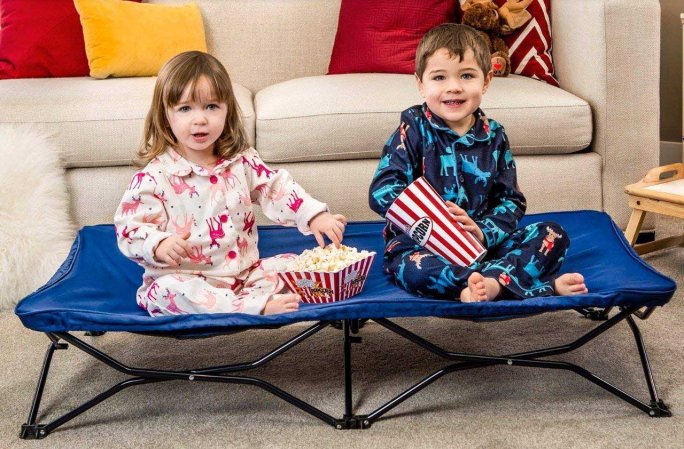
(525, 264)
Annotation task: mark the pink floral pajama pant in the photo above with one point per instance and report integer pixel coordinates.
(183, 293)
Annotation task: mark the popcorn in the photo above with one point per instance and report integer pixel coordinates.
(328, 274)
(327, 259)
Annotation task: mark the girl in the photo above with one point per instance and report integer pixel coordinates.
(187, 216)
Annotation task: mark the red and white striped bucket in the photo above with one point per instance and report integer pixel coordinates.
(420, 212)
(322, 287)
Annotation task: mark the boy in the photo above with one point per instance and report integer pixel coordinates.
(467, 159)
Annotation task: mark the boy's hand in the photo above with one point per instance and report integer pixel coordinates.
(330, 225)
(173, 249)
(468, 224)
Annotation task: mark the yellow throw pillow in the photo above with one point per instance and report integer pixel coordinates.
(136, 39)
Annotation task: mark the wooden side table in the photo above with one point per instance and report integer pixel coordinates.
(659, 193)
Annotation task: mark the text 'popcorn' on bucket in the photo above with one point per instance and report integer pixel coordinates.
(327, 259)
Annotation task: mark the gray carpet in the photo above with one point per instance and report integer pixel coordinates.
(495, 407)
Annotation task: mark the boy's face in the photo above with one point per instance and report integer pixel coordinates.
(453, 88)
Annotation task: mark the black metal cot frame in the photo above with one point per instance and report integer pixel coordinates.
(349, 420)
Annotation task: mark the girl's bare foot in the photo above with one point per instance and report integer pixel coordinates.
(570, 284)
(282, 303)
(480, 288)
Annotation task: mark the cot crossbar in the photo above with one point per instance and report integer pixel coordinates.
(32, 430)
(655, 408)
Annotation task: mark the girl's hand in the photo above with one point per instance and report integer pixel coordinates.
(468, 224)
(173, 249)
(330, 225)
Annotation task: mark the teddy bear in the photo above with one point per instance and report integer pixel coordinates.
(483, 15)
(513, 15)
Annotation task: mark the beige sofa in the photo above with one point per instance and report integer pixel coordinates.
(576, 147)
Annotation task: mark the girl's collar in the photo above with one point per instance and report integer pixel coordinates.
(176, 165)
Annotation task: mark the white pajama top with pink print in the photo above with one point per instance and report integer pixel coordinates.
(223, 273)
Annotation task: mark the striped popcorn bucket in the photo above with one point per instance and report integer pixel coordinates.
(420, 212)
(320, 287)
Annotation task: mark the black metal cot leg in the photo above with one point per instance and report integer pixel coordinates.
(596, 313)
(94, 333)
(349, 419)
(31, 430)
(347, 371)
(658, 407)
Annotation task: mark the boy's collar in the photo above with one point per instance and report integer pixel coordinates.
(479, 130)
(176, 165)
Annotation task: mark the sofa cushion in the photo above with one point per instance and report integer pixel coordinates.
(530, 45)
(97, 123)
(129, 39)
(351, 116)
(381, 36)
(38, 40)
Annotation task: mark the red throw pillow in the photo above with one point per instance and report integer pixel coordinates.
(530, 45)
(41, 39)
(382, 35)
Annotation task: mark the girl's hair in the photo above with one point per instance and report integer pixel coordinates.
(456, 39)
(185, 69)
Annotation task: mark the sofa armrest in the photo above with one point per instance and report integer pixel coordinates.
(608, 53)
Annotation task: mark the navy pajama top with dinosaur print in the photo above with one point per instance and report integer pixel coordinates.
(477, 172)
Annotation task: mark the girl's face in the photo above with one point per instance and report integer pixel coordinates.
(197, 125)
(453, 88)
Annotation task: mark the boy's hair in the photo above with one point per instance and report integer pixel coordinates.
(180, 71)
(456, 39)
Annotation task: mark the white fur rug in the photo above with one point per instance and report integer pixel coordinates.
(35, 227)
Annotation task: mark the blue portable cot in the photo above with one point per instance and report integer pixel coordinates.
(94, 291)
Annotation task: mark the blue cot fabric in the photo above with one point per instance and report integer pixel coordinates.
(95, 287)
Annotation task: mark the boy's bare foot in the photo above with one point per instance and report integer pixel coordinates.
(480, 288)
(281, 304)
(570, 284)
